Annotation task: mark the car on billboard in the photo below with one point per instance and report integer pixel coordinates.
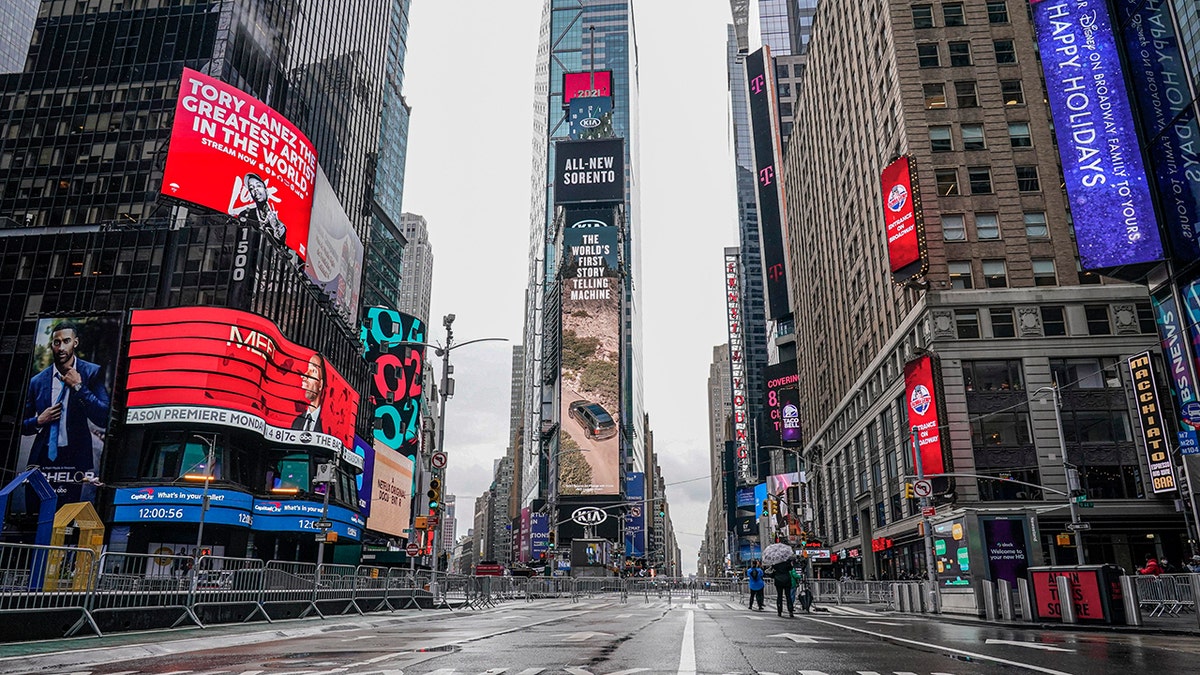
(594, 419)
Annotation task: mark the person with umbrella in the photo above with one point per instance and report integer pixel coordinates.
(779, 557)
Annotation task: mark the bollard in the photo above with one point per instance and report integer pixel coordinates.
(1066, 599)
(1195, 579)
(989, 599)
(1005, 597)
(898, 598)
(1133, 604)
(915, 601)
(1026, 598)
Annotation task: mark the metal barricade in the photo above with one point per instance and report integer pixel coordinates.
(228, 582)
(336, 583)
(140, 582)
(371, 588)
(36, 578)
(289, 583)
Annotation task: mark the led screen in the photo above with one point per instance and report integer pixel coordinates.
(391, 493)
(772, 211)
(588, 84)
(391, 342)
(902, 219)
(1176, 351)
(589, 171)
(743, 467)
(635, 515)
(233, 153)
(782, 395)
(335, 253)
(921, 399)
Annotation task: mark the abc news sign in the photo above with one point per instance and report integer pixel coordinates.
(589, 171)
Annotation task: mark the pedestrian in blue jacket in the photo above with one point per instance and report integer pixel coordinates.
(757, 583)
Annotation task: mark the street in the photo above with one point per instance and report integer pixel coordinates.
(603, 636)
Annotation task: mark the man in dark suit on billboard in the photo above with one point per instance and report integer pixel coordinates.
(313, 383)
(61, 400)
(261, 212)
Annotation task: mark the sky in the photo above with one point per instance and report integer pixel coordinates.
(469, 77)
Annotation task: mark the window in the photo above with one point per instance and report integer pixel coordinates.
(1002, 490)
(1012, 92)
(1005, 52)
(987, 226)
(1086, 277)
(1003, 429)
(922, 16)
(1027, 179)
(939, 139)
(1112, 481)
(1036, 225)
(1146, 321)
(1044, 273)
(952, 14)
(960, 275)
(927, 55)
(174, 457)
(781, 71)
(947, 182)
(993, 375)
(995, 274)
(972, 135)
(290, 474)
(966, 321)
(966, 94)
(954, 228)
(1095, 426)
(1096, 373)
(1097, 319)
(997, 11)
(1054, 321)
(1003, 325)
(1018, 135)
(980, 178)
(935, 95)
(960, 53)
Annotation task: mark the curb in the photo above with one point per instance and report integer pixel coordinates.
(1093, 628)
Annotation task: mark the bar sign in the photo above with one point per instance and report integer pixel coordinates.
(1158, 453)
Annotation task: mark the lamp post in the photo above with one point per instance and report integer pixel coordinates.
(208, 471)
(1072, 474)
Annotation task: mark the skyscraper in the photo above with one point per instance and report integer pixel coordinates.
(416, 283)
(16, 29)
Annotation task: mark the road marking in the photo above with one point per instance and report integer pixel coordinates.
(360, 637)
(801, 639)
(581, 637)
(623, 616)
(1031, 645)
(885, 623)
(687, 651)
(531, 671)
(952, 650)
(757, 618)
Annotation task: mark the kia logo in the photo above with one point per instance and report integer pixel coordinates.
(589, 223)
(589, 515)
(589, 123)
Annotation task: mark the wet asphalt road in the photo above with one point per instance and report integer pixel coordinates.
(604, 637)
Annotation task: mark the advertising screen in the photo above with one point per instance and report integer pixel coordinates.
(922, 396)
(588, 84)
(396, 387)
(743, 466)
(297, 515)
(1176, 351)
(780, 429)
(1154, 431)
(169, 504)
(67, 402)
(589, 171)
(539, 534)
(1111, 205)
(210, 365)
(635, 514)
(1085, 584)
(335, 253)
(1004, 545)
(778, 486)
(589, 461)
(950, 553)
(233, 153)
(391, 493)
(772, 209)
(591, 118)
(903, 220)
(364, 480)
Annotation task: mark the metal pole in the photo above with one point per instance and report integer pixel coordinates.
(448, 322)
(1067, 468)
(324, 531)
(208, 470)
(930, 571)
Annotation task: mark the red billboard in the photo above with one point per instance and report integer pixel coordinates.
(903, 220)
(233, 153)
(210, 365)
(586, 85)
(921, 396)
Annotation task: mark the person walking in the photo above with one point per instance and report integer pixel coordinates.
(757, 583)
(782, 574)
(1152, 568)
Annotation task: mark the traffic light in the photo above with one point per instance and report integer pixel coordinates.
(774, 506)
(908, 491)
(435, 493)
(550, 543)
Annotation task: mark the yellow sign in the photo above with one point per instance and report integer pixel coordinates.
(1063, 539)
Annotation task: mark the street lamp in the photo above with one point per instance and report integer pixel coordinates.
(208, 471)
(1072, 473)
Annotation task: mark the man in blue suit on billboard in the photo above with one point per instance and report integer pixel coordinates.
(62, 399)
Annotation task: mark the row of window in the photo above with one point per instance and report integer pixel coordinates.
(953, 15)
(966, 94)
(979, 180)
(995, 273)
(972, 138)
(987, 226)
(1073, 373)
(929, 54)
(1054, 321)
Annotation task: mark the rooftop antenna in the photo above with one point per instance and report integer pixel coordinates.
(592, 58)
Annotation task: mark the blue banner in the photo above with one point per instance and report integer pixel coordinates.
(168, 504)
(539, 532)
(366, 479)
(745, 496)
(1176, 351)
(302, 516)
(635, 515)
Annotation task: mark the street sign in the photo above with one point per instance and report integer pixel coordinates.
(1188, 443)
(1062, 539)
(1191, 412)
(412, 550)
(929, 511)
(923, 488)
(431, 521)
(438, 461)
(323, 524)
(1076, 527)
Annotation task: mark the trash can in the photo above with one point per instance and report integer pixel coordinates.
(1096, 590)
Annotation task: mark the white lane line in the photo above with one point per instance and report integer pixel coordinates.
(1032, 645)
(360, 637)
(867, 672)
(885, 623)
(531, 671)
(952, 650)
(687, 651)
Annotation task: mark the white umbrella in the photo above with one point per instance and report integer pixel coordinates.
(777, 553)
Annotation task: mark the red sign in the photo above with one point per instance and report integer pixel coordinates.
(1085, 587)
(920, 395)
(929, 511)
(412, 550)
(881, 544)
(903, 220)
(586, 85)
(210, 365)
(233, 153)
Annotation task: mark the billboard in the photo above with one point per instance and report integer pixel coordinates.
(391, 493)
(903, 220)
(539, 534)
(778, 486)
(589, 459)
(921, 396)
(335, 253)
(211, 365)
(233, 153)
(589, 84)
(67, 402)
(1154, 431)
(170, 504)
(396, 387)
(950, 553)
(1176, 351)
(743, 467)
(365, 480)
(589, 171)
(772, 209)
(1111, 204)
(635, 515)
(1005, 547)
(591, 118)
(781, 405)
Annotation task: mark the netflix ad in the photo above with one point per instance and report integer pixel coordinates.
(210, 365)
(391, 493)
(233, 153)
(921, 396)
(590, 84)
(902, 218)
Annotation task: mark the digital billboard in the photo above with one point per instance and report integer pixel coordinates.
(921, 398)
(635, 515)
(1176, 350)
(335, 253)
(539, 534)
(950, 553)
(1005, 548)
(391, 493)
(365, 480)
(591, 118)
(777, 486)
(589, 84)
(589, 460)
(233, 153)
(589, 171)
(772, 209)
(1154, 431)
(67, 402)
(211, 365)
(903, 220)
(1111, 204)
(398, 367)
(170, 504)
(743, 466)
(782, 394)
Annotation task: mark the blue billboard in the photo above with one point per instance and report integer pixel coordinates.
(635, 515)
(1176, 349)
(1106, 183)
(168, 504)
(539, 534)
(295, 515)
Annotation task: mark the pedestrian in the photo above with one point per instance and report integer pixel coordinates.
(757, 583)
(782, 574)
(1167, 567)
(1194, 565)
(1151, 568)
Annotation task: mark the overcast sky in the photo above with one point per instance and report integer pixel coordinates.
(469, 79)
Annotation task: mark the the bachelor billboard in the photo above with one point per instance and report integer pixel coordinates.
(210, 365)
(391, 342)
(233, 153)
(921, 397)
(589, 171)
(903, 220)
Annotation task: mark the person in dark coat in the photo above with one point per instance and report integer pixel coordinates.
(782, 573)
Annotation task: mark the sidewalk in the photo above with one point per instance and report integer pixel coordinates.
(1184, 624)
